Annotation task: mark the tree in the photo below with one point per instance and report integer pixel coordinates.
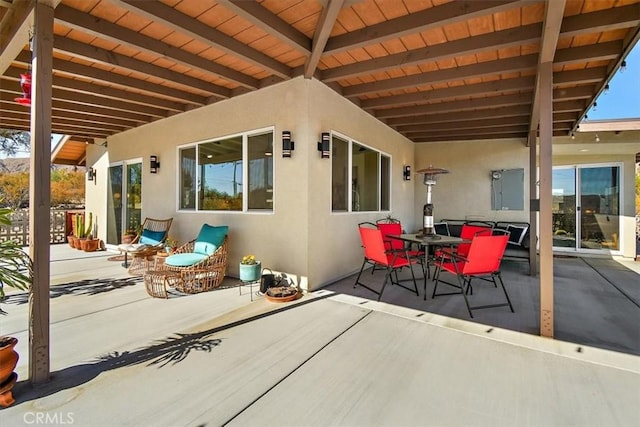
(67, 187)
(14, 189)
(14, 141)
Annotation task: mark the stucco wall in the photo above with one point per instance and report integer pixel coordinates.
(334, 243)
(465, 192)
(301, 236)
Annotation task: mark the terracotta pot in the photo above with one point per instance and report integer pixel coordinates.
(71, 239)
(8, 360)
(127, 238)
(90, 245)
(78, 242)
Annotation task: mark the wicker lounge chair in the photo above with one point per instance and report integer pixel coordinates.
(202, 263)
(147, 243)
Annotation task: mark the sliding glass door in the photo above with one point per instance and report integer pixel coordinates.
(124, 203)
(586, 207)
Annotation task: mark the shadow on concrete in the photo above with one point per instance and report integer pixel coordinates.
(81, 287)
(171, 350)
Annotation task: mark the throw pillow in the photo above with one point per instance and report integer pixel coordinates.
(517, 233)
(210, 238)
(152, 238)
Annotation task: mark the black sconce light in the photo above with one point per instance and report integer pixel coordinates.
(323, 145)
(406, 173)
(91, 174)
(154, 164)
(287, 143)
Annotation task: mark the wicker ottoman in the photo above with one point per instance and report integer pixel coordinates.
(156, 282)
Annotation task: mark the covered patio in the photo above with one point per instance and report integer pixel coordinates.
(332, 357)
(471, 86)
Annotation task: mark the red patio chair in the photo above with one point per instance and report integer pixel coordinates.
(482, 262)
(376, 254)
(467, 232)
(395, 228)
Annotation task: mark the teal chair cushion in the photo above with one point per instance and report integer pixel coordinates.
(184, 260)
(152, 238)
(209, 239)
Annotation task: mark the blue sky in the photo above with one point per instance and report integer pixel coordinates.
(622, 101)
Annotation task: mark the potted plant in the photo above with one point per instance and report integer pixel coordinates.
(16, 271)
(81, 231)
(170, 245)
(249, 269)
(130, 233)
(91, 243)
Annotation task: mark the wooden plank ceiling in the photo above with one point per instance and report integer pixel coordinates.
(434, 70)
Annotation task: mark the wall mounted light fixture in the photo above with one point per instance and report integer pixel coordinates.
(91, 174)
(323, 145)
(287, 143)
(406, 173)
(154, 164)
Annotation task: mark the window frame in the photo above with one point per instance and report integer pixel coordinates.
(350, 141)
(245, 173)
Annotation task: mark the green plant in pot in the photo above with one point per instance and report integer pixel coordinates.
(16, 271)
(250, 269)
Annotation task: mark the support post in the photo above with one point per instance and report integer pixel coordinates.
(545, 72)
(40, 193)
(534, 204)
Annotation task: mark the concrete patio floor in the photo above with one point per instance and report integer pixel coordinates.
(333, 357)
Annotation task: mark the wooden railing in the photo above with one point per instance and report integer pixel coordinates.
(60, 226)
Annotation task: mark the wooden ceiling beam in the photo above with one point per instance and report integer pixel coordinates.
(568, 106)
(443, 107)
(14, 30)
(64, 130)
(183, 24)
(262, 18)
(106, 30)
(323, 30)
(508, 65)
(477, 123)
(471, 45)
(576, 25)
(78, 116)
(434, 17)
(615, 18)
(506, 85)
(98, 101)
(109, 77)
(595, 52)
(64, 105)
(516, 110)
(496, 135)
(106, 91)
(470, 132)
(26, 117)
(102, 56)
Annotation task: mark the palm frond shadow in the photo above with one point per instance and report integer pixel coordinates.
(81, 287)
(171, 350)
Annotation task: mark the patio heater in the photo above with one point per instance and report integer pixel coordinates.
(430, 178)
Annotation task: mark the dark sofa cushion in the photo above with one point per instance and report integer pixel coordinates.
(517, 233)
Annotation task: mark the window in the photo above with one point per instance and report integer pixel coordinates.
(215, 172)
(366, 171)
